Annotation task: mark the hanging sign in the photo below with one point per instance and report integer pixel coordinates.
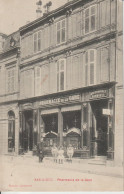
(106, 112)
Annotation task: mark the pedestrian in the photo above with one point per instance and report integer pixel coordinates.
(54, 153)
(70, 152)
(41, 150)
(60, 155)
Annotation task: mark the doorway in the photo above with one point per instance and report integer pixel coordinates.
(28, 131)
(101, 126)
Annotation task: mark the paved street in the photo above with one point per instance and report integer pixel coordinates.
(26, 174)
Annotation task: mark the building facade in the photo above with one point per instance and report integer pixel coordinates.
(69, 82)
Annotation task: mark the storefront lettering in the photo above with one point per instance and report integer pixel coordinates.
(99, 94)
(60, 100)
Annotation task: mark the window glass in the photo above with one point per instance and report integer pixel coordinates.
(61, 32)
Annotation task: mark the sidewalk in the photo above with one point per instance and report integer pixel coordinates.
(76, 165)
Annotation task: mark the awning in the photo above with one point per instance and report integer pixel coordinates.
(71, 108)
(49, 111)
(50, 133)
(74, 130)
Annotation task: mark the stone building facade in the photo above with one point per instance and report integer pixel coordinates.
(69, 82)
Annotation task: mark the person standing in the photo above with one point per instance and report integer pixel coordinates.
(70, 152)
(54, 153)
(41, 150)
(60, 155)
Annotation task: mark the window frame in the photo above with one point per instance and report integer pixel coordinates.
(90, 15)
(37, 41)
(59, 73)
(60, 32)
(88, 64)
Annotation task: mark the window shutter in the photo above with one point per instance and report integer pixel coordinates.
(93, 18)
(103, 13)
(87, 20)
(108, 12)
(63, 34)
(70, 27)
(86, 69)
(37, 81)
(92, 67)
(78, 24)
(74, 22)
(104, 64)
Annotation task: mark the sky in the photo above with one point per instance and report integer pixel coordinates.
(16, 13)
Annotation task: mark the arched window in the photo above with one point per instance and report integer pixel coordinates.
(90, 67)
(11, 131)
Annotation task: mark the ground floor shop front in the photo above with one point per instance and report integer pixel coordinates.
(84, 119)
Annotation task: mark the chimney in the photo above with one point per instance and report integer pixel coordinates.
(38, 11)
(47, 7)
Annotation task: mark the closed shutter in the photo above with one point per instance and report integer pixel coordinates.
(44, 79)
(86, 68)
(104, 64)
(70, 27)
(87, 20)
(74, 22)
(75, 72)
(37, 81)
(92, 67)
(68, 73)
(108, 12)
(112, 62)
(78, 22)
(53, 77)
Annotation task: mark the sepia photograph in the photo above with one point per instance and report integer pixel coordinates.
(61, 96)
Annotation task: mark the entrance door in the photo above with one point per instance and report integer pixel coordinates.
(28, 131)
(101, 127)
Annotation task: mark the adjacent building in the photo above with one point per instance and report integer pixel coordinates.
(62, 80)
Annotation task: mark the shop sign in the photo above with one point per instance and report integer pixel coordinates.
(99, 94)
(60, 100)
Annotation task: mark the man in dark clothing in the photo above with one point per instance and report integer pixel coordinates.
(40, 148)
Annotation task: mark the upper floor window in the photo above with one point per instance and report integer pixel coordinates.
(61, 74)
(90, 19)
(90, 67)
(61, 28)
(11, 80)
(37, 42)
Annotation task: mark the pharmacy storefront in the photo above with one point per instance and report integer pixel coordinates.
(82, 118)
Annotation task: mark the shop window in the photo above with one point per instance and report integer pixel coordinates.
(11, 80)
(37, 42)
(61, 29)
(90, 19)
(61, 75)
(90, 67)
(11, 131)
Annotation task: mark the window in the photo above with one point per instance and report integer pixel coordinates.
(11, 131)
(61, 32)
(37, 42)
(10, 80)
(90, 19)
(90, 67)
(61, 75)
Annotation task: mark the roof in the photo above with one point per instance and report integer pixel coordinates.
(15, 37)
(42, 19)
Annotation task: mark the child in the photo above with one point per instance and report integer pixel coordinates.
(60, 155)
(54, 153)
(70, 152)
